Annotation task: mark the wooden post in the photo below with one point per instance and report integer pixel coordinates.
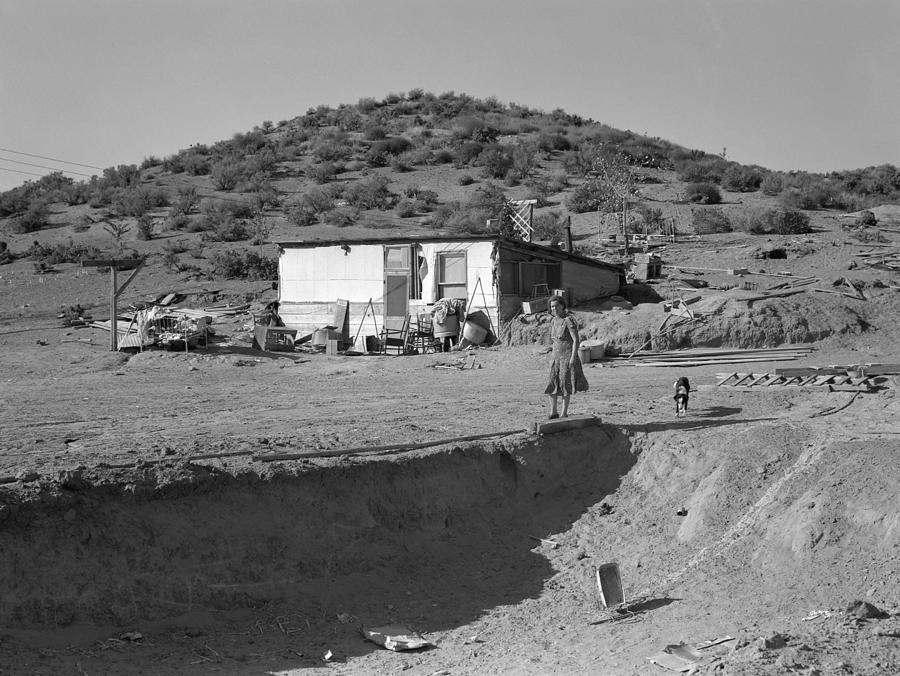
(569, 234)
(113, 311)
(114, 265)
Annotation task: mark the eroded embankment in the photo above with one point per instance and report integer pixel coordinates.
(163, 541)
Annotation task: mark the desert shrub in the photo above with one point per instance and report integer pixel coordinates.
(340, 217)
(186, 201)
(709, 169)
(774, 222)
(36, 216)
(374, 132)
(771, 184)
(176, 246)
(392, 146)
(418, 157)
(496, 160)
(137, 201)
(82, 224)
(145, 228)
(812, 196)
(741, 179)
(549, 225)
(150, 162)
(331, 150)
(524, 160)
(702, 193)
(247, 265)
(591, 195)
(467, 153)
(399, 165)
(226, 229)
(550, 142)
(443, 157)
(866, 218)
(466, 179)
(710, 221)
(321, 173)
(306, 210)
(406, 208)
(178, 221)
(369, 193)
(226, 174)
(62, 252)
(653, 220)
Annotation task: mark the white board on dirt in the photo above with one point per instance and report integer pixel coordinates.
(609, 584)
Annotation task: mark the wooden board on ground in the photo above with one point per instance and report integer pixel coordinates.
(564, 424)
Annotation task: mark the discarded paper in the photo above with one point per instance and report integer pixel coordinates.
(395, 637)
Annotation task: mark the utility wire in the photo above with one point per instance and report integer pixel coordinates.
(19, 171)
(52, 159)
(44, 166)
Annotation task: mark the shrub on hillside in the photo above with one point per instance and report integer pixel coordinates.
(321, 173)
(702, 193)
(36, 216)
(774, 222)
(340, 217)
(771, 184)
(370, 193)
(466, 179)
(592, 195)
(707, 170)
(226, 174)
(247, 265)
(306, 210)
(467, 153)
(496, 160)
(145, 228)
(741, 179)
(710, 221)
(62, 252)
(549, 225)
(137, 201)
(550, 142)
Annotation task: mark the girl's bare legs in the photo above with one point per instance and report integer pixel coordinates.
(553, 412)
(565, 413)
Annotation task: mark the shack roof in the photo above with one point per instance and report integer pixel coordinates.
(514, 244)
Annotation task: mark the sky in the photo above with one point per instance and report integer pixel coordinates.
(787, 84)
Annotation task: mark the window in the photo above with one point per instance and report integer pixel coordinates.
(452, 275)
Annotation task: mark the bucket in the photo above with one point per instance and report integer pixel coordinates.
(474, 333)
(319, 338)
(449, 327)
(584, 354)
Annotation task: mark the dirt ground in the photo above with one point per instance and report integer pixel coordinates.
(125, 548)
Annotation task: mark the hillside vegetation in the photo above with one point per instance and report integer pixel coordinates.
(413, 163)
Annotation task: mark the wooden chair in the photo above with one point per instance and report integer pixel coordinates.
(422, 338)
(394, 338)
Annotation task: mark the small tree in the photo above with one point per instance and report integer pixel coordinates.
(118, 232)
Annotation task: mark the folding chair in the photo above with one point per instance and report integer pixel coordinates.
(393, 337)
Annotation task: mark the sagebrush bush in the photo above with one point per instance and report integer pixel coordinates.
(771, 184)
(549, 225)
(247, 265)
(710, 221)
(702, 193)
(406, 208)
(62, 252)
(466, 179)
(145, 228)
(741, 179)
(592, 195)
(36, 216)
(774, 222)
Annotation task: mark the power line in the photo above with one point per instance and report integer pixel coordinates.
(52, 159)
(44, 166)
(19, 171)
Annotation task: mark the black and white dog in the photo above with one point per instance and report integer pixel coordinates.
(682, 394)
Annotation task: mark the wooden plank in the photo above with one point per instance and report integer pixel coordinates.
(564, 424)
(742, 377)
(726, 379)
(760, 379)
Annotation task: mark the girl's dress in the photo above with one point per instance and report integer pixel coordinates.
(564, 378)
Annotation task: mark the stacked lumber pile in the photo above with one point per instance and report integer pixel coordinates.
(885, 259)
(707, 357)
